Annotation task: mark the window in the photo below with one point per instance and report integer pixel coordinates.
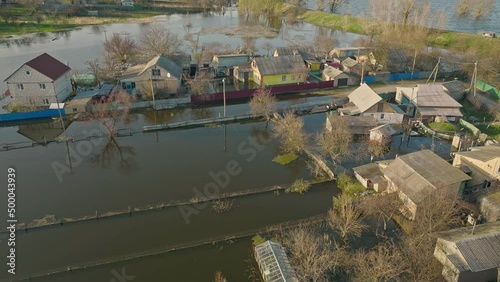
(486, 184)
(381, 116)
(75, 110)
(124, 85)
(20, 87)
(283, 78)
(28, 72)
(293, 77)
(133, 85)
(155, 72)
(42, 86)
(46, 101)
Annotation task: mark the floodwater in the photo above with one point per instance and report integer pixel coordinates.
(489, 22)
(78, 46)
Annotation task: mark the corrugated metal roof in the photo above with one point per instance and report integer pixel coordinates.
(454, 86)
(435, 111)
(332, 72)
(482, 153)
(348, 62)
(457, 261)
(285, 51)
(279, 65)
(357, 124)
(170, 66)
(364, 97)
(418, 174)
(385, 129)
(481, 253)
(432, 95)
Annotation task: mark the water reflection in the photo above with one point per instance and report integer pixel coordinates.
(113, 151)
(42, 133)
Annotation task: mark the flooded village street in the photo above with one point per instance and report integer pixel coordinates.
(147, 170)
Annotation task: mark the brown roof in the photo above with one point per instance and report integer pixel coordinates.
(48, 66)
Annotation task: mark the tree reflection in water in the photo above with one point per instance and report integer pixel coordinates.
(113, 151)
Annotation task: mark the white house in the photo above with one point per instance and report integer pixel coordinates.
(39, 81)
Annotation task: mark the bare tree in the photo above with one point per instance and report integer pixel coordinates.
(346, 216)
(120, 49)
(200, 85)
(268, 46)
(157, 40)
(248, 46)
(483, 7)
(336, 4)
(290, 130)
(338, 143)
(94, 67)
(219, 277)
(263, 103)
(382, 206)
(323, 44)
(320, 5)
(312, 257)
(385, 262)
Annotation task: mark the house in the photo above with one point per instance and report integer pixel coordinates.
(273, 263)
(243, 73)
(489, 205)
(310, 60)
(455, 88)
(161, 75)
(418, 175)
(339, 77)
(358, 126)
(81, 102)
(428, 101)
(482, 164)
(397, 61)
(40, 82)
(278, 70)
(371, 176)
(470, 253)
(364, 101)
(224, 64)
(383, 134)
(352, 52)
(352, 66)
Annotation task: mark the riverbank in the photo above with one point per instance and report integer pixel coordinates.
(457, 41)
(21, 24)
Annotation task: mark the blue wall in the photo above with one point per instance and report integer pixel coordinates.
(31, 115)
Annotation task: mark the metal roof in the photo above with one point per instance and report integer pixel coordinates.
(454, 86)
(418, 174)
(165, 63)
(371, 171)
(482, 153)
(357, 124)
(348, 62)
(385, 129)
(433, 95)
(279, 65)
(364, 97)
(273, 263)
(436, 111)
(332, 72)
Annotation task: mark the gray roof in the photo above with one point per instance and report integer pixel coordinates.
(437, 111)
(419, 174)
(285, 51)
(398, 56)
(371, 171)
(332, 72)
(273, 263)
(482, 153)
(396, 108)
(348, 62)
(433, 95)
(279, 65)
(454, 86)
(165, 63)
(357, 124)
(475, 251)
(364, 97)
(386, 129)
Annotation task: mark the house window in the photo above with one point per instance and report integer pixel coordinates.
(283, 78)
(133, 85)
(45, 101)
(293, 77)
(75, 110)
(28, 72)
(20, 87)
(155, 72)
(486, 184)
(124, 85)
(42, 86)
(381, 116)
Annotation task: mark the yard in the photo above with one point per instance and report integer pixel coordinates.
(444, 127)
(493, 131)
(471, 114)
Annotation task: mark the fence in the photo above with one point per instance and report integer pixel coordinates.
(470, 127)
(242, 94)
(31, 115)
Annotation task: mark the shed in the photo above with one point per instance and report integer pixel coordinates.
(371, 176)
(339, 77)
(490, 206)
(455, 88)
(382, 133)
(273, 263)
(358, 125)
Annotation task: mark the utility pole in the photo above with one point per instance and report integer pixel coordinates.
(64, 132)
(224, 94)
(152, 89)
(362, 72)
(437, 69)
(473, 81)
(413, 66)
